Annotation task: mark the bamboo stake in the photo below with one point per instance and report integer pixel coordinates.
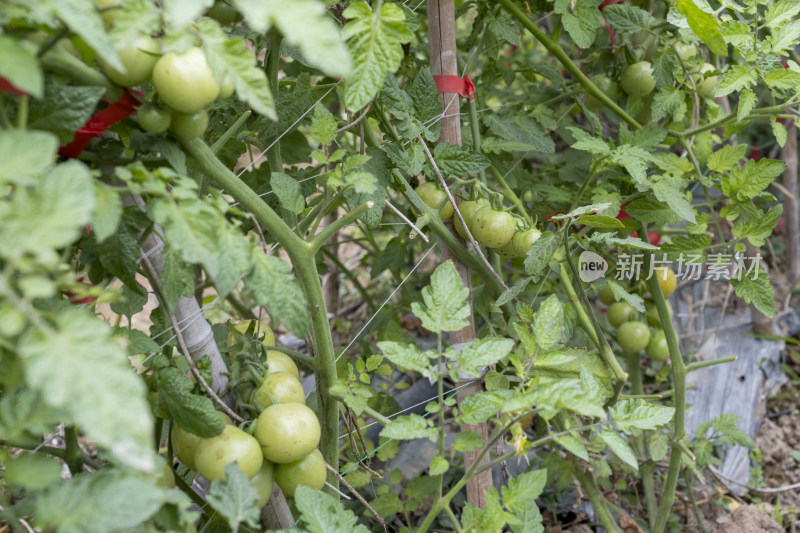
(443, 59)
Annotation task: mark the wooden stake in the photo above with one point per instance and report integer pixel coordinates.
(791, 209)
(443, 58)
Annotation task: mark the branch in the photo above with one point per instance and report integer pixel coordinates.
(330, 230)
(358, 496)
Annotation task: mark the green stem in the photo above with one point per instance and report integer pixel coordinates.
(599, 503)
(679, 379)
(703, 364)
(440, 397)
(305, 267)
(767, 111)
(648, 484)
(689, 478)
(22, 112)
(303, 359)
(476, 129)
(511, 195)
(273, 62)
(73, 453)
(189, 491)
(233, 130)
(565, 60)
(320, 238)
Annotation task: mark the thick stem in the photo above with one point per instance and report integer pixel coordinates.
(648, 484)
(679, 379)
(598, 501)
(273, 62)
(562, 56)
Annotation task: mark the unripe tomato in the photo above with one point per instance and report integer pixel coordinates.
(280, 362)
(507, 250)
(657, 349)
(705, 86)
(433, 197)
(651, 314)
(467, 210)
(638, 80)
(154, 119)
(308, 471)
(666, 279)
(184, 444)
(606, 295)
(223, 13)
(189, 125)
(491, 228)
(263, 482)
(620, 312)
(263, 330)
(607, 87)
(287, 432)
(633, 336)
(643, 38)
(138, 62)
(685, 51)
(226, 89)
(231, 446)
(185, 81)
(278, 387)
(523, 240)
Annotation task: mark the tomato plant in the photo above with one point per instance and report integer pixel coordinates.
(278, 387)
(633, 336)
(185, 81)
(231, 446)
(189, 125)
(287, 432)
(492, 228)
(137, 62)
(308, 471)
(154, 120)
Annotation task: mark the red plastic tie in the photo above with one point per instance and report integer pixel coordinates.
(124, 106)
(7, 87)
(453, 84)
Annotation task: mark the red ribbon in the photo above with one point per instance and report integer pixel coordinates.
(453, 84)
(7, 87)
(124, 106)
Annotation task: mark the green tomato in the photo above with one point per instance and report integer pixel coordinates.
(226, 89)
(606, 295)
(651, 314)
(666, 279)
(185, 81)
(433, 197)
(231, 446)
(507, 250)
(493, 229)
(645, 41)
(263, 482)
(280, 362)
(705, 86)
(154, 119)
(308, 471)
(287, 432)
(523, 240)
(278, 387)
(189, 125)
(685, 51)
(638, 80)
(263, 330)
(467, 210)
(620, 312)
(224, 13)
(633, 336)
(137, 61)
(607, 87)
(184, 444)
(165, 476)
(657, 349)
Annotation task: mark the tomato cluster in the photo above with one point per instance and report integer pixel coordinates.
(184, 82)
(285, 436)
(634, 335)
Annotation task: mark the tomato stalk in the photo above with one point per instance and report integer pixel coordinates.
(635, 372)
(555, 49)
(679, 379)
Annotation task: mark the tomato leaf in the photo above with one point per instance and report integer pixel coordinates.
(620, 447)
(705, 26)
(524, 488)
(234, 498)
(180, 13)
(20, 67)
(25, 153)
(64, 109)
(192, 412)
(322, 513)
(288, 192)
(629, 415)
(272, 284)
(445, 306)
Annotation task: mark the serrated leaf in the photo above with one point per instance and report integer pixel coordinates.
(737, 78)
(620, 447)
(623, 17)
(674, 198)
(780, 12)
(375, 41)
(323, 125)
(668, 101)
(230, 58)
(680, 246)
(705, 26)
(273, 285)
(234, 498)
(540, 254)
(20, 67)
(480, 407)
(439, 465)
(586, 142)
(304, 24)
(580, 18)
(755, 288)
(523, 489)
(592, 386)
(513, 291)
(573, 445)
(782, 78)
(521, 129)
(467, 441)
(103, 502)
(751, 179)
(25, 153)
(288, 191)
(548, 323)
(63, 364)
(64, 109)
(407, 356)
(457, 160)
(482, 353)
(193, 412)
(180, 13)
(633, 159)
(410, 427)
(322, 513)
(639, 414)
(82, 17)
(657, 446)
(779, 131)
(445, 305)
(650, 210)
(727, 157)
(759, 226)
